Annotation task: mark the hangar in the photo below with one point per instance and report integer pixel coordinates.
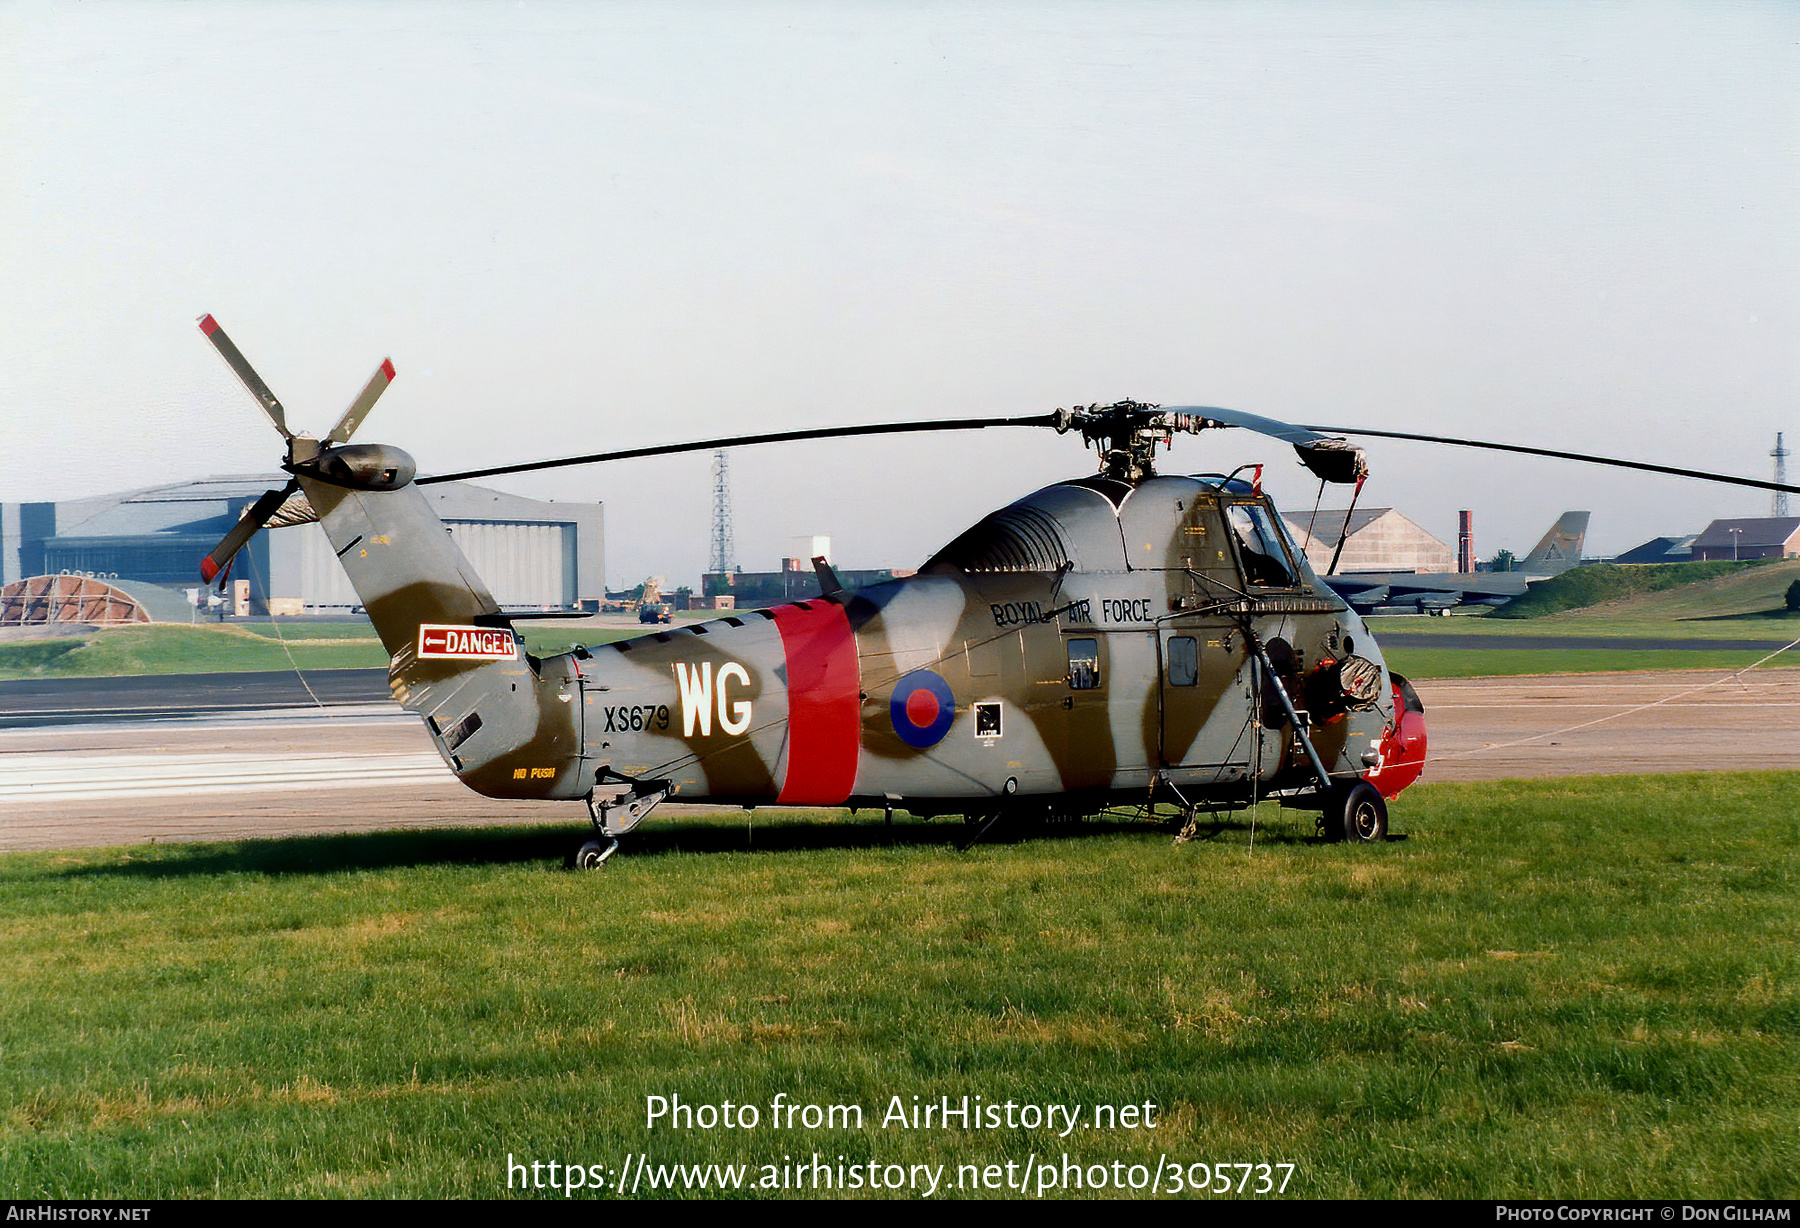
(1379, 539)
(45, 600)
(533, 555)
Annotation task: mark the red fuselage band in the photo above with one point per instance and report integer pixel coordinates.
(824, 707)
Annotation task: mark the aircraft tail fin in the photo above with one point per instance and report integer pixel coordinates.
(452, 657)
(401, 560)
(1560, 548)
(494, 714)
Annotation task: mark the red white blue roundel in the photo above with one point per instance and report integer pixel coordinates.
(922, 708)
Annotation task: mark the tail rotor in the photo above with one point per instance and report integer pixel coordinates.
(279, 505)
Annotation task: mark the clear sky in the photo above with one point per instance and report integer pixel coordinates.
(585, 226)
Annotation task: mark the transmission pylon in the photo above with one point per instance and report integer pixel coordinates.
(1778, 506)
(724, 547)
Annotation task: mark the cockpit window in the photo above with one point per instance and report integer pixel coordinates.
(1264, 558)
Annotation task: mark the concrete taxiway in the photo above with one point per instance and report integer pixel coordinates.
(98, 777)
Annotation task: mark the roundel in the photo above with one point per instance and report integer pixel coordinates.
(922, 708)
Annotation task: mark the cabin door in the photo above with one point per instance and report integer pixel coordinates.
(1207, 722)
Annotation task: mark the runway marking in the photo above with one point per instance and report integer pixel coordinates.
(1736, 676)
(42, 777)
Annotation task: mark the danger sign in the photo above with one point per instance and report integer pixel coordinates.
(467, 643)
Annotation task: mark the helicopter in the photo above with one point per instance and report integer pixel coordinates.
(1123, 637)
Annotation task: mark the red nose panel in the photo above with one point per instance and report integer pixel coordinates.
(1402, 750)
(824, 708)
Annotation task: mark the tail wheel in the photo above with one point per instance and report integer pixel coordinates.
(1357, 814)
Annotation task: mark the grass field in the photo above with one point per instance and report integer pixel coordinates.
(183, 650)
(1756, 592)
(213, 648)
(1747, 602)
(1743, 604)
(1605, 583)
(174, 649)
(1581, 988)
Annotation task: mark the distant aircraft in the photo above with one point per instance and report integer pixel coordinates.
(1440, 592)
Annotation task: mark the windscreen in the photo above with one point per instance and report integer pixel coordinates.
(1260, 549)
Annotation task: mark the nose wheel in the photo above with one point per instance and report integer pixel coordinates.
(1357, 814)
(592, 855)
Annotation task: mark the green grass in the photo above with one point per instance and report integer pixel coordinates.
(1607, 582)
(1659, 593)
(235, 647)
(167, 649)
(34, 658)
(546, 639)
(1727, 601)
(1591, 625)
(1744, 604)
(1744, 600)
(1585, 988)
(361, 629)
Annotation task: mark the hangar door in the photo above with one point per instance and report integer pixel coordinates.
(526, 565)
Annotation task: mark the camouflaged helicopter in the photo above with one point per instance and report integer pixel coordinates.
(1124, 637)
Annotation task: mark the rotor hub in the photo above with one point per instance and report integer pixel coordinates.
(1126, 434)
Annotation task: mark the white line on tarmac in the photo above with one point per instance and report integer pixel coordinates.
(41, 777)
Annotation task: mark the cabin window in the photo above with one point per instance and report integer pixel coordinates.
(1184, 660)
(1084, 664)
(1260, 552)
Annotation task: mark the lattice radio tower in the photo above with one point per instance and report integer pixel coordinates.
(1778, 506)
(724, 547)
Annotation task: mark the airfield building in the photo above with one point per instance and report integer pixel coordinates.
(796, 581)
(533, 555)
(1380, 540)
(1758, 537)
(1660, 550)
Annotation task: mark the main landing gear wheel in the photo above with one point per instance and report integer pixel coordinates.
(592, 855)
(1357, 814)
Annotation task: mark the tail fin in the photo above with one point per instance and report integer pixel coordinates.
(400, 559)
(508, 726)
(1560, 548)
(450, 658)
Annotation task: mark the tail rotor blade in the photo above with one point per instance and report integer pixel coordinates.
(245, 372)
(243, 531)
(359, 409)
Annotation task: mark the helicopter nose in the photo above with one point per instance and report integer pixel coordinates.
(1401, 756)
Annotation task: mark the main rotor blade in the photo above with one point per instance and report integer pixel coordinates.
(1287, 432)
(1574, 456)
(245, 372)
(739, 441)
(244, 530)
(1333, 460)
(359, 409)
